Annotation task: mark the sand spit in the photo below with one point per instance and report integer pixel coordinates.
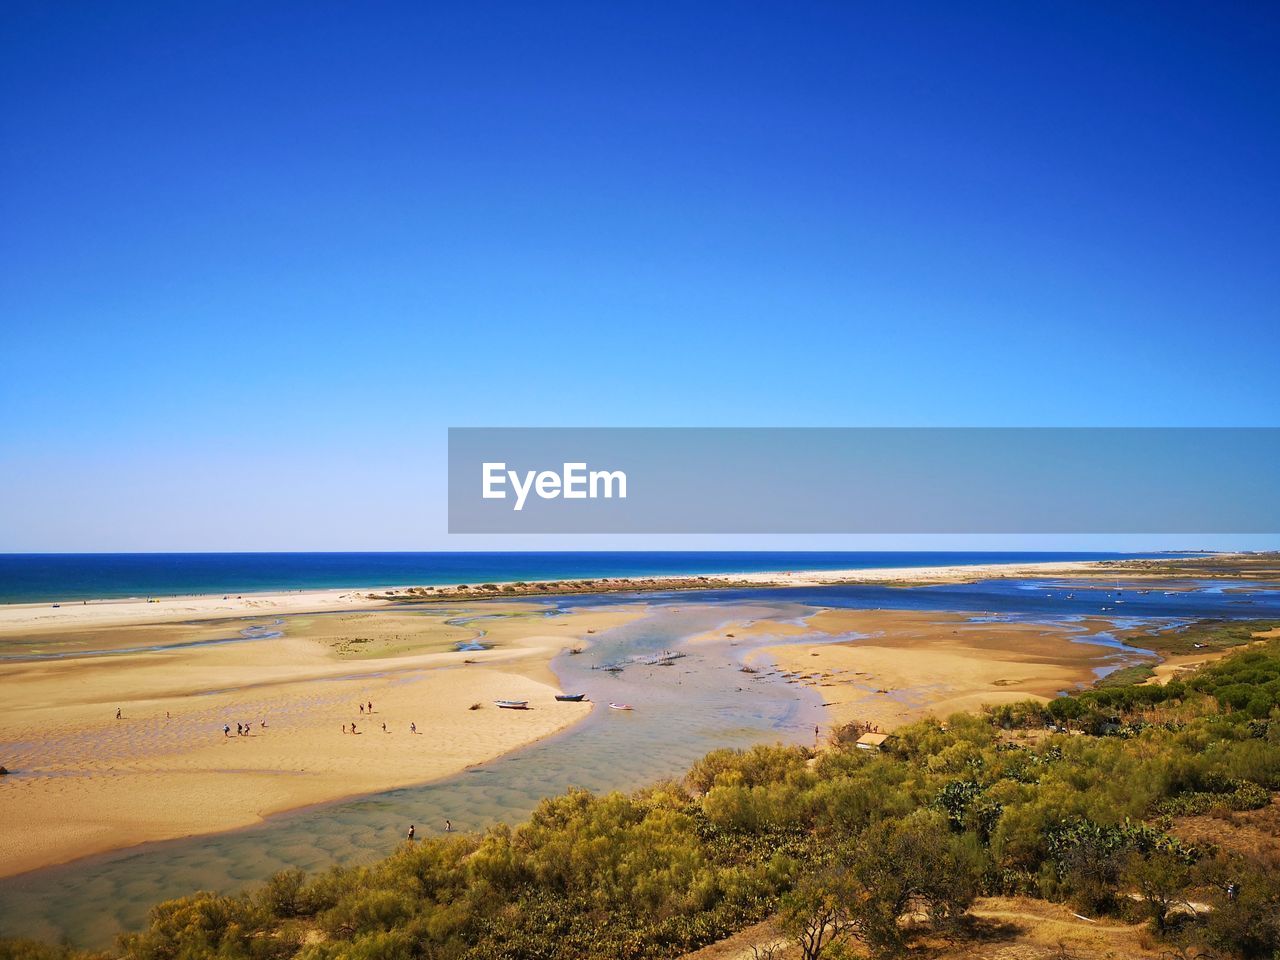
(903, 665)
(86, 782)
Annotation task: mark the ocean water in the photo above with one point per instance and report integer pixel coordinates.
(37, 577)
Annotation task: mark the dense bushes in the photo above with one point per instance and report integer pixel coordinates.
(1245, 687)
(1230, 795)
(208, 925)
(889, 871)
(1245, 914)
(1247, 683)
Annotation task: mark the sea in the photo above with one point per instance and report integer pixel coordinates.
(56, 577)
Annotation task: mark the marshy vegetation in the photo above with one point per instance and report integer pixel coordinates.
(856, 852)
(1208, 636)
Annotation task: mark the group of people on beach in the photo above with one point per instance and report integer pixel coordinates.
(242, 729)
(366, 708)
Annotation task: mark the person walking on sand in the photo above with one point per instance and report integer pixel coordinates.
(353, 728)
(361, 706)
(226, 729)
(371, 706)
(410, 837)
(117, 713)
(384, 727)
(239, 730)
(448, 826)
(344, 728)
(413, 728)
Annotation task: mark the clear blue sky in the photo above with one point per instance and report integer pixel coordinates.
(257, 257)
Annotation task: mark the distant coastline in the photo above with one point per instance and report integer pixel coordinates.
(37, 578)
(44, 617)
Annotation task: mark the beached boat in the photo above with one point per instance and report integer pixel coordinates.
(512, 704)
(621, 706)
(571, 697)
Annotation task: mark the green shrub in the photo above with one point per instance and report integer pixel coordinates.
(1241, 795)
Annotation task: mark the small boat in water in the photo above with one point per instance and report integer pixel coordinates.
(621, 706)
(571, 697)
(512, 704)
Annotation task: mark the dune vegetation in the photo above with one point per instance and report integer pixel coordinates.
(854, 852)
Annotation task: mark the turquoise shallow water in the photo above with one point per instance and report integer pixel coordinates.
(697, 704)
